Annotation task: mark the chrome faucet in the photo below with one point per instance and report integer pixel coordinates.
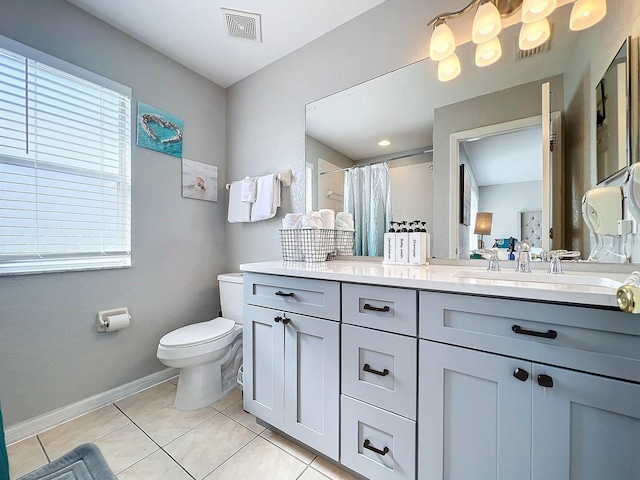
(523, 258)
(555, 265)
(494, 264)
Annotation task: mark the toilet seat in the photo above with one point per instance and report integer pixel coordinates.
(198, 333)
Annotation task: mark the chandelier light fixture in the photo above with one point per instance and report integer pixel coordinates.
(487, 25)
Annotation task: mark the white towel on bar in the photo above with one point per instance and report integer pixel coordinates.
(239, 211)
(267, 198)
(248, 192)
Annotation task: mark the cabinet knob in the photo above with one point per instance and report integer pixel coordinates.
(277, 319)
(545, 381)
(521, 374)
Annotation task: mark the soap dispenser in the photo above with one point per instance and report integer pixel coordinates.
(390, 244)
(402, 244)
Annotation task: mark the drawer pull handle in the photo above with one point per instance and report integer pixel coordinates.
(368, 446)
(282, 294)
(284, 320)
(521, 331)
(367, 368)
(545, 381)
(376, 309)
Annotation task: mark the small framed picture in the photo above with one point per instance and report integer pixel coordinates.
(159, 130)
(199, 180)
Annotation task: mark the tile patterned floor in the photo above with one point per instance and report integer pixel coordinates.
(144, 437)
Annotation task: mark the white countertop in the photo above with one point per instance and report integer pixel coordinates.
(457, 278)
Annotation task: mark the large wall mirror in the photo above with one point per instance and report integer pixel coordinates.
(421, 117)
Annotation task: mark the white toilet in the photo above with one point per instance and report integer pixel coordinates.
(208, 354)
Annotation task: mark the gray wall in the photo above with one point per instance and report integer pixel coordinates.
(315, 149)
(50, 352)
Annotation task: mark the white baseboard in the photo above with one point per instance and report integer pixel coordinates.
(48, 420)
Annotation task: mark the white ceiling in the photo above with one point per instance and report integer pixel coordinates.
(511, 157)
(194, 34)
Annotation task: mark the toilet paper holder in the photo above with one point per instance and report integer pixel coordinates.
(103, 317)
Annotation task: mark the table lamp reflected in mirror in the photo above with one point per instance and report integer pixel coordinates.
(483, 227)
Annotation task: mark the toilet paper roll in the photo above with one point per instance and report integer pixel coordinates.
(117, 322)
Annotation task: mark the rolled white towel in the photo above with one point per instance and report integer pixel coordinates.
(291, 221)
(311, 220)
(248, 190)
(344, 221)
(328, 218)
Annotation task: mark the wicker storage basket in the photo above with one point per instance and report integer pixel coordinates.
(315, 245)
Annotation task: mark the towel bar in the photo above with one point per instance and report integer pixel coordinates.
(284, 177)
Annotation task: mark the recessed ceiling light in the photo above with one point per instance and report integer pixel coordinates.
(384, 143)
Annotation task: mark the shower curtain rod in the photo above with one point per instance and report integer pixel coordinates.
(428, 150)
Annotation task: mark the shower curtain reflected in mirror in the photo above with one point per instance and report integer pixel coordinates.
(367, 196)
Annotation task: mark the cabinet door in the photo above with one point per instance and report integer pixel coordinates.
(312, 353)
(474, 416)
(585, 427)
(263, 352)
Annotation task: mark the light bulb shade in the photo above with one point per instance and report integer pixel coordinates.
(487, 23)
(533, 35)
(586, 13)
(489, 52)
(483, 223)
(442, 43)
(534, 10)
(449, 68)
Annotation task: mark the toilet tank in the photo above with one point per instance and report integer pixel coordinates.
(231, 296)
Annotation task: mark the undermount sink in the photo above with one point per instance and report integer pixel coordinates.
(483, 276)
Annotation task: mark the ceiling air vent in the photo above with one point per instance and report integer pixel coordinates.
(243, 25)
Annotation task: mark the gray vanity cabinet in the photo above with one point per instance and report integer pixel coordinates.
(513, 411)
(291, 360)
(475, 417)
(585, 427)
(379, 377)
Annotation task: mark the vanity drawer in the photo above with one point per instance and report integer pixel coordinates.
(605, 342)
(382, 308)
(318, 298)
(393, 436)
(380, 368)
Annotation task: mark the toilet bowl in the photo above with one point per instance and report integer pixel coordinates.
(208, 354)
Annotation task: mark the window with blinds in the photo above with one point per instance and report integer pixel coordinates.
(65, 166)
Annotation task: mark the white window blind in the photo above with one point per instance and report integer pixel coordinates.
(65, 166)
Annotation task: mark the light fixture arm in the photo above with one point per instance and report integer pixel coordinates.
(506, 9)
(450, 15)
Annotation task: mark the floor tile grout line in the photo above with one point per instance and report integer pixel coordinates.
(156, 443)
(237, 452)
(276, 445)
(302, 472)
(44, 450)
(215, 413)
(177, 462)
